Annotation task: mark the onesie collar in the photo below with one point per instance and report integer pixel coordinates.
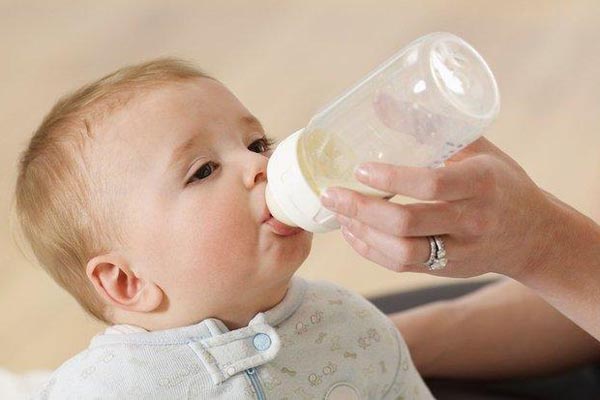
(224, 353)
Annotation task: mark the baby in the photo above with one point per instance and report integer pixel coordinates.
(142, 194)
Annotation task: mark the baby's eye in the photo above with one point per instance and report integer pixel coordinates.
(204, 171)
(261, 145)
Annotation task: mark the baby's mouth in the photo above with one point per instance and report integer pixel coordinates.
(280, 228)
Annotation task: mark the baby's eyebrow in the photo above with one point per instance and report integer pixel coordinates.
(180, 151)
(252, 121)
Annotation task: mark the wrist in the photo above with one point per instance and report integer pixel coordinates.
(565, 244)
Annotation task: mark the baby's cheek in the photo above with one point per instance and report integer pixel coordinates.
(223, 243)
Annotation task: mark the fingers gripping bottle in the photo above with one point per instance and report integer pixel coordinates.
(418, 108)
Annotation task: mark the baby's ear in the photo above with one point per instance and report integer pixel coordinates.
(118, 285)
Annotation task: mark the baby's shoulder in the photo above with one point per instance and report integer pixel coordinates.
(341, 305)
(332, 294)
(106, 372)
(65, 381)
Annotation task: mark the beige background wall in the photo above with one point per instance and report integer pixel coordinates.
(285, 59)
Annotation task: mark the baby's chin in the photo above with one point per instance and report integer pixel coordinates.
(295, 248)
(287, 260)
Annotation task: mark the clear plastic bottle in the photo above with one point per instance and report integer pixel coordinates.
(420, 107)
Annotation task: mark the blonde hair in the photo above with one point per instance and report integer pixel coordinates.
(56, 200)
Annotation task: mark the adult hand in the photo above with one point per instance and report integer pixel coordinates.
(491, 216)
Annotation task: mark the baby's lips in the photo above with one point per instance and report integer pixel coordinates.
(282, 229)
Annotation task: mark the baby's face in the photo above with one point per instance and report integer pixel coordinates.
(195, 217)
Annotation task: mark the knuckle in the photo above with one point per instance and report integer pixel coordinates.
(478, 224)
(404, 221)
(459, 209)
(350, 207)
(411, 268)
(486, 179)
(358, 228)
(435, 184)
(360, 205)
(387, 180)
(362, 248)
(411, 253)
(398, 267)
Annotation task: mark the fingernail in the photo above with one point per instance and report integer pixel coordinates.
(362, 173)
(328, 199)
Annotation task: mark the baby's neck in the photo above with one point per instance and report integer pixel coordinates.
(241, 316)
(236, 314)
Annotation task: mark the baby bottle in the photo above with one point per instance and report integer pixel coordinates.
(418, 108)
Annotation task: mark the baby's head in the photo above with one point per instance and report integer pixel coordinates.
(142, 194)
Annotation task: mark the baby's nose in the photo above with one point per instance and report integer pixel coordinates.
(256, 172)
(260, 177)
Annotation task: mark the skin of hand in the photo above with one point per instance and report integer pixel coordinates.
(492, 218)
(482, 203)
(502, 330)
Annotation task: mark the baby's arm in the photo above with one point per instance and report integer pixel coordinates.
(502, 330)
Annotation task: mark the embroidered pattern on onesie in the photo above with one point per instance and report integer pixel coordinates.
(321, 342)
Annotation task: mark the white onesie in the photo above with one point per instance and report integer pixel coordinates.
(320, 342)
